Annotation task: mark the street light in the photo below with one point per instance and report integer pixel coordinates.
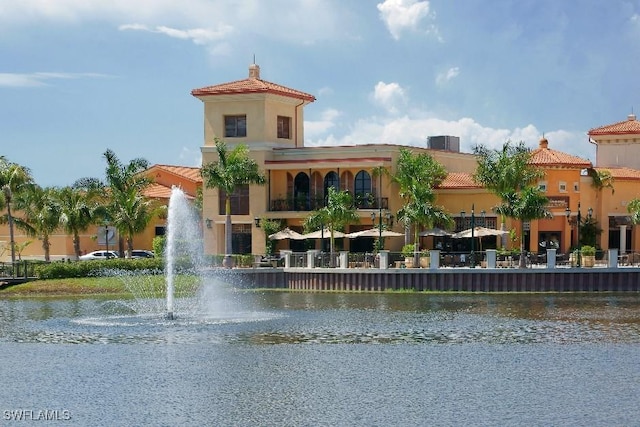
(473, 226)
(578, 222)
(388, 220)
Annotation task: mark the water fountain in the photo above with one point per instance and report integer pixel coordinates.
(183, 242)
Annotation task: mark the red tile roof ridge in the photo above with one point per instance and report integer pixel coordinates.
(549, 157)
(251, 85)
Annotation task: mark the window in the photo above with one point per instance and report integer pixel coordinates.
(542, 185)
(562, 186)
(239, 201)
(284, 127)
(235, 126)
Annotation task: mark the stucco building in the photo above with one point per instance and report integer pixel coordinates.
(269, 119)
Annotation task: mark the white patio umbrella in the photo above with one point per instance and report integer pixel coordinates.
(373, 232)
(479, 232)
(287, 233)
(323, 233)
(435, 232)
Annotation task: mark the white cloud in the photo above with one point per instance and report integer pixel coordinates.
(390, 96)
(314, 129)
(41, 79)
(401, 15)
(199, 36)
(414, 131)
(446, 76)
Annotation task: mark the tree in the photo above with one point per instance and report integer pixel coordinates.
(41, 214)
(232, 169)
(633, 207)
(417, 175)
(13, 179)
(338, 212)
(127, 209)
(78, 209)
(508, 174)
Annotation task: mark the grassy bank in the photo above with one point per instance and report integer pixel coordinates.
(91, 286)
(65, 287)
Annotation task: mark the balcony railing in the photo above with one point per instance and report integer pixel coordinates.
(312, 204)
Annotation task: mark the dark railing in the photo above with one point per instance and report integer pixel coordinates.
(18, 269)
(305, 204)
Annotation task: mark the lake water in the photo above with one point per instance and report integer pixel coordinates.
(305, 359)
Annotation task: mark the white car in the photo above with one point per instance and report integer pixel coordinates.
(99, 255)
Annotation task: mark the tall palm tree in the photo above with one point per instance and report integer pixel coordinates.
(13, 179)
(509, 174)
(337, 213)
(126, 207)
(232, 169)
(417, 175)
(79, 207)
(41, 214)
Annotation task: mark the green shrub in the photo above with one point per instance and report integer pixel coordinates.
(588, 250)
(65, 270)
(408, 250)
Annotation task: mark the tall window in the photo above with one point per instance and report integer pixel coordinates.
(239, 201)
(235, 126)
(363, 183)
(284, 127)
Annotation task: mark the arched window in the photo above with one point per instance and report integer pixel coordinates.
(331, 180)
(362, 190)
(301, 192)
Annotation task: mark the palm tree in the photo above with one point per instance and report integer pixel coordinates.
(126, 207)
(421, 211)
(508, 174)
(417, 175)
(232, 169)
(41, 214)
(13, 179)
(79, 207)
(337, 213)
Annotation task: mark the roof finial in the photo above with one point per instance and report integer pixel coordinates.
(254, 69)
(543, 142)
(631, 117)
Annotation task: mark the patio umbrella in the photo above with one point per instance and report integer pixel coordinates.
(373, 232)
(287, 233)
(436, 232)
(319, 234)
(479, 232)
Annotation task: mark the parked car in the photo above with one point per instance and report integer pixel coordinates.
(141, 253)
(99, 255)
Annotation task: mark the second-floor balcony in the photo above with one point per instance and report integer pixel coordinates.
(315, 203)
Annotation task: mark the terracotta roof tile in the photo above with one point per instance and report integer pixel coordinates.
(158, 191)
(459, 180)
(629, 126)
(544, 156)
(622, 173)
(190, 173)
(252, 85)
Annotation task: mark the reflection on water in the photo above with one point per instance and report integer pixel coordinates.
(303, 359)
(296, 318)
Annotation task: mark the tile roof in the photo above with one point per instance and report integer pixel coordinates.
(545, 156)
(158, 191)
(190, 173)
(622, 173)
(459, 180)
(629, 126)
(252, 85)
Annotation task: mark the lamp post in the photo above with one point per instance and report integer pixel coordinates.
(578, 223)
(388, 221)
(473, 237)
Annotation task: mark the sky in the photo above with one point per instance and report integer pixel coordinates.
(79, 77)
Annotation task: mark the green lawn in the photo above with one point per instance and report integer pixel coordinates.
(89, 286)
